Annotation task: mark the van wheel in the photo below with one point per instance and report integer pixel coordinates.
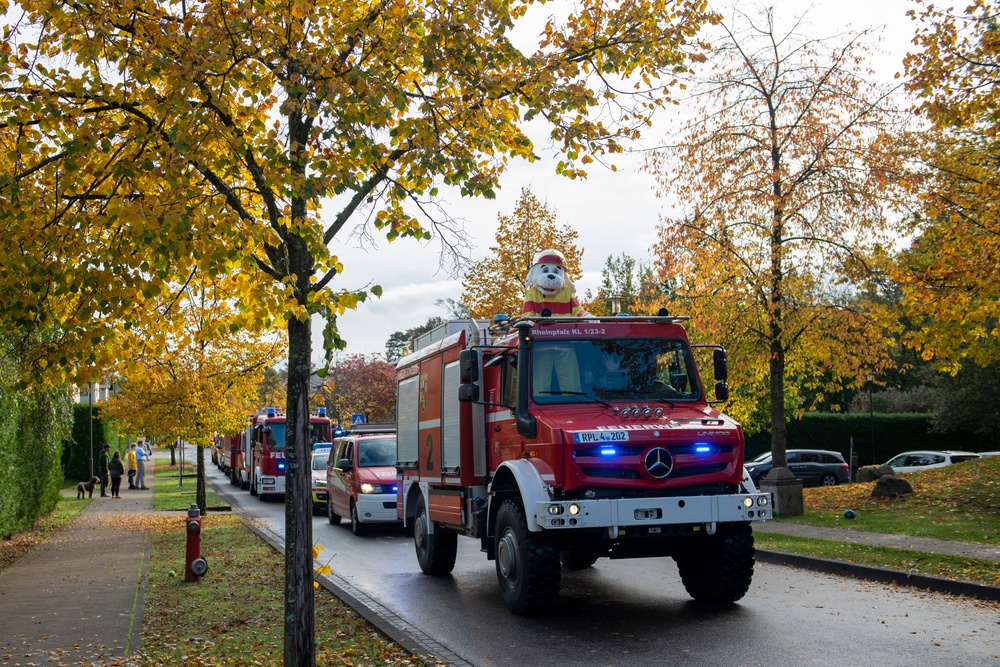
(527, 564)
(331, 516)
(829, 479)
(357, 527)
(435, 552)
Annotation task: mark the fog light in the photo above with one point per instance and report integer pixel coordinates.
(555, 509)
(574, 509)
(762, 500)
(748, 502)
(558, 522)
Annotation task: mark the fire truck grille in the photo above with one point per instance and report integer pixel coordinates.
(613, 473)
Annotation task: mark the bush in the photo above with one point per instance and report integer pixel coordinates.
(78, 465)
(33, 424)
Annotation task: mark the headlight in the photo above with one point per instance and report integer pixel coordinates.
(372, 488)
(319, 482)
(748, 502)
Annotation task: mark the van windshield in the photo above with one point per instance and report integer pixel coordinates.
(376, 452)
(646, 369)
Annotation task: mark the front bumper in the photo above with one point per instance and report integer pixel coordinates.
(624, 512)
(377, 507)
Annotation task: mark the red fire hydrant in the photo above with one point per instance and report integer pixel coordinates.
(195, 566)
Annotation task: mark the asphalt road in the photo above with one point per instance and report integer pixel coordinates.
(637, 613)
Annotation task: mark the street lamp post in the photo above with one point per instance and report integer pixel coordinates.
(615, 303)
(90, 395)
(871, 416)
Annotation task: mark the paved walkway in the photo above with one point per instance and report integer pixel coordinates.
(76, 599)
(925, 544)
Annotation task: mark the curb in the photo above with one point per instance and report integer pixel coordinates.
(391, 625)
(880, 574)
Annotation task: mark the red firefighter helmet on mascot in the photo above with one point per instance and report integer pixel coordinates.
(548, 287)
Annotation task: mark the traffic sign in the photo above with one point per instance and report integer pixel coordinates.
(357, 418)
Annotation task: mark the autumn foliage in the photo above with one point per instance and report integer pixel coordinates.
(951, 276)
(361, 384)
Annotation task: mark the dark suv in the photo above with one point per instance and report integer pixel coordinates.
(815, 467)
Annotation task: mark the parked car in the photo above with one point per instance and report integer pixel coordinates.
(320, 456)
(989, 453)
(815, 467)
(927, 460)
(361, 480)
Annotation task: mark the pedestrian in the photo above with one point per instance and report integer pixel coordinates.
(132, 466)
(102, 469)
(140, 468)
(116, 468)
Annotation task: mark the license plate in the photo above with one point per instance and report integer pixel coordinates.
(584, 437)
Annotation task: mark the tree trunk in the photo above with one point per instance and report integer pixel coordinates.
(299, 640)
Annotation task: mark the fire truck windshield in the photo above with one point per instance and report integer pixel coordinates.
(646, 369)
(276, 436)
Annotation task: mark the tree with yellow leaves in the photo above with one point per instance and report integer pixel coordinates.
(495, 285)
(203, 379)
(143, 140)
(950, 275)
(787, 172)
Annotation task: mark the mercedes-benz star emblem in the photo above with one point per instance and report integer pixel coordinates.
(658, 462)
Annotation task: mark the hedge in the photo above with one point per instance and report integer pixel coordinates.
(894, 433)
(78, 446)
(33, 424)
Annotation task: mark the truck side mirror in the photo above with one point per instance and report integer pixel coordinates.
(720, 363)
(468, 393)
(721, 391)
(468, 366)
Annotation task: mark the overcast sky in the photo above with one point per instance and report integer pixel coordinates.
(613, 212)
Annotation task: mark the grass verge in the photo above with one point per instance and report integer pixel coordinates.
(953, 568)
(234, 615)
(959, 502)
(173, 493)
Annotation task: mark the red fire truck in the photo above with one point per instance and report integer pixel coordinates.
(264, 448)
(558, 441)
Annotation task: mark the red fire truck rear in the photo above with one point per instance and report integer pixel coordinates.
(561, 441)
(264, 462)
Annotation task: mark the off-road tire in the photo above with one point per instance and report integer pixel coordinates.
(435, 552)
(722, 572)
(331, 516)
(359, 529)
(527, 564)
(579, 559)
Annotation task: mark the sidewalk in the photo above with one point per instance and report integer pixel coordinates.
(908, 542)
(77, 598)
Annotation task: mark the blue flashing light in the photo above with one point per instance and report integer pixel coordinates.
(322, 412)
(281, 466)
(270, 412)
(497, 319)
(337, 432)
(395, 488)
(608, 451)
(702, 448)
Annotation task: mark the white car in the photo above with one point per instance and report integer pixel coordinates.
(926, 460)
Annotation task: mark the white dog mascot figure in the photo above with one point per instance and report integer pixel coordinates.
(549, 287)
(555, 367)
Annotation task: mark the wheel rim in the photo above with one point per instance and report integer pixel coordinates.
(507, 555)
(829, 480)
(420, 530)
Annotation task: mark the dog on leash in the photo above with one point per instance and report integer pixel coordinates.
(86, 487)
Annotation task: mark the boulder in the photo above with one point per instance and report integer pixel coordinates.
(890, 486)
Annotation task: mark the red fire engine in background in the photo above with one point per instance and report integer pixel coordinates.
(561, 441)
(263, 449)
